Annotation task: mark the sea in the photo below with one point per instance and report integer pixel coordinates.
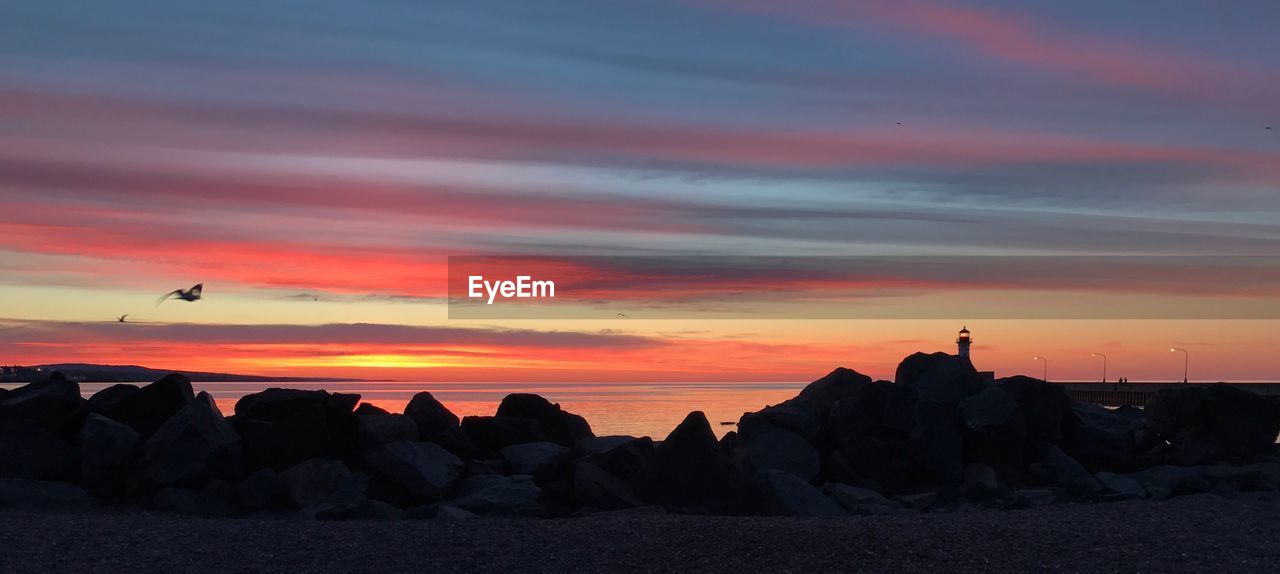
(636, 409)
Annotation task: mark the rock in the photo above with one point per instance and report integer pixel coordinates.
(785, 494)
(939, 377)
(515, 495)
(1056, 465)
(838, 385)
(40, 495)
(1101, 438)
(147, 408)
(1118, 486)
(729, 443)
(918, 501)
(30, 451)
(107, 449)
(1044, 407)
(992, 407)
(373, 431)
(860, 501)
(935, 447)
(534, 458)
(430, 415)
(209, 502)
(795, 415)
(110, 397)
(449, 513)
(317, 481)
(282, 427)
(259, 490)
(51, 404)
(980, 482)
(1162, 482)
(367, 409)
(1031, 498)
(491, 434)
(1243, 478)
(1219, 422)
(691, 472)
(195, 443)
(354, 509)
(595, 488)
(625, 460)
(556, 425)
(425, 469)
(600, 444)
(994, 428)
(767, 447)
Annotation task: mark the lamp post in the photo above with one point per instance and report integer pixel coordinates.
(1186, 362)
(1104, 366)
(1044, 377)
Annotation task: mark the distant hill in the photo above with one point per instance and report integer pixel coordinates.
(134, 374)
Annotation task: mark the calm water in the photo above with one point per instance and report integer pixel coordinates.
(639, 409)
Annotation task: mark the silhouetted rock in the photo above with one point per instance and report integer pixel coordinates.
(768, 447)
(994, 429)
(867, 432)
(147, 408)
(557, 425)
(107, 449)
(367, 409)
(492, 434)
(795, 415)
(992, 407)
(1044, 407)
(860, 501)
(40, 495)
(595, 488)
(691, 472)
(430, 415)
(425, 469)
(625, 460)
(51, 404)
(840, 384)
(1162, 482)
(1101, 438)
(980, 482)
(210, 501)
(785, 494)
(1119, 486)
(29, 450)
(939, 377)
(259, 490)
(534, 458)
(1213, 423)
(195, 443)
(318, 481)
(1033, 497)
(515, 495)
(935, 446)
(374, 430)
(282, 427)
(600, 444)
(1052, 463)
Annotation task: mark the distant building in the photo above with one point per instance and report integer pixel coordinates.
(963, 342)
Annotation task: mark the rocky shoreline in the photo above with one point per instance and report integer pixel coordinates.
(939, 437)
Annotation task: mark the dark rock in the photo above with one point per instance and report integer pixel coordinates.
(147, 408)
(768, 447)
(430, 415)
(785, 494)
(453, 514)
(259, 490)
(729, 443)
(426, 470)
(282, 427)
(992, 407)
(1044, 407)
(534, 458)
(317, 481)
(29, 450)
(1053, 464)
(691, 472)
(1119, 486)
(600, 444)
(557, 425)
(354, 509)
(918, 501)
(454, 440)
(110, 397)
(795, 415)
(515, 495)
(1101, 438)
(595, 488)
(840, 384)
(980, 482)
(994, 428)
(491, 434)
(939, 377)
(1162, 482)
(477, 467)
(40, 495)
(196, 443)
(51, 404)
(368, 409)
(626, 460)
(935, 447)
(1031, 498)
(867, 432)
(860, 501)
(215, 501)
(1214, 423)
(373, 431)
(107, 449)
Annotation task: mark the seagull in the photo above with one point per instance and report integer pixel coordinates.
(621, 315)
(192, 294)
(899, 123)
(121, 318)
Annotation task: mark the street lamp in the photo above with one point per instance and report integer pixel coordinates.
(1045, 377)
(1104, 366)
(1186, 362)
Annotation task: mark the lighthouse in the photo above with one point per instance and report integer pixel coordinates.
(962, 342)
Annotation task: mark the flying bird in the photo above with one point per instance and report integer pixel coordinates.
(192, 294)
(121, 318)
(622, 315)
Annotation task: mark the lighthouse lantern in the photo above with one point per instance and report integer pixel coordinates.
(962, 342)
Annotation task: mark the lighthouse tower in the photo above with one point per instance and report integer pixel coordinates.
(963, 342)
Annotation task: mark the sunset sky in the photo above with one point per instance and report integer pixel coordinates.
(314, 163)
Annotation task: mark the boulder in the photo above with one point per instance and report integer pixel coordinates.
(1220, 422)
(29, 450)
(282, 427)
(196, 443)
(991, 407)
(860, 501)
(600, 444)
(430, 415)
(595, 488)
(109, 398)
(768, 447)
(868, 431)
(1033, 497)
(374, 430)
(448, 513)
(994, 428)
(107, 450)
(785, 494)
(556, 425)
(796, 416)
(259, 490)
(492, 434)
(215, 500)
(52, 404)
(980, 482)
(534, 458)
(146, 408)
(691, 472)
(935, 447)
(917, 501)
(426, 470)
(367, 409)
(1119, 486)
(625, 460)
(318, 481)
(354, 509)
(1101, 438)
(40, 495)
(939, 377)
(515, 495)
(1053, 464)
(838, 385)
(1044, 407)
(1162, 482)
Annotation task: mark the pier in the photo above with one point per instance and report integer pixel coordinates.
(1136, 394)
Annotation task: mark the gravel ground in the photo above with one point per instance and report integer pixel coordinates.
(1190, 534)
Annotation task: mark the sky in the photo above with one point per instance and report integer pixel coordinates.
(316, 163)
